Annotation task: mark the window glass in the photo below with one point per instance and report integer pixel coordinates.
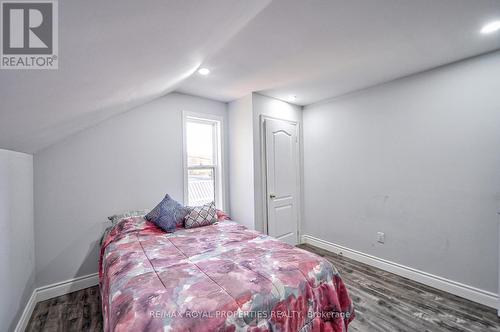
(200, 143)
(201, 186)
(203, 173)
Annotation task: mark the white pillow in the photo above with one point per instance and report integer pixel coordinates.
(133, 213)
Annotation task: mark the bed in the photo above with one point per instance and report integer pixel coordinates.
(221, 277)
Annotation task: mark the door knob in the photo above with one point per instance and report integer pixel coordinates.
(272, 196)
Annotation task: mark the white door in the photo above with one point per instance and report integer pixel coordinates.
(282, 170)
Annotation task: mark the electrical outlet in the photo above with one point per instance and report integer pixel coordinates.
(380, 237)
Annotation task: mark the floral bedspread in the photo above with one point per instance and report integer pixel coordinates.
(222, 277)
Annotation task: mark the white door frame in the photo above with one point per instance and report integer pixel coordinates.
(263, 169)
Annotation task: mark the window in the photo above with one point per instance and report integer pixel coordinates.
(203, 160)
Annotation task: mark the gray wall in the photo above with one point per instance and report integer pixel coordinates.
(241, 181)
(417, 158)
(17, 256)
(271, 107)
(127, 162)
(246, 178)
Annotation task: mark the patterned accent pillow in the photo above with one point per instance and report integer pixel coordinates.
(134, 213)
(167, 214)
(199, 216)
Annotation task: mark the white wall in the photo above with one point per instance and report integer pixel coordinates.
(246, 178)
(263, 105)
(417, 158)
(127, 162)
(17, 257)
(241, 172)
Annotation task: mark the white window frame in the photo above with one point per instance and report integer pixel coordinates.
(218, 137)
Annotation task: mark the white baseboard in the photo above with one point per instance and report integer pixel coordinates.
(28, 310)
(50, 291)
(468, 292)
(65, 287)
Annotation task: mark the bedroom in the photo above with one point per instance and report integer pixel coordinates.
(353, 144)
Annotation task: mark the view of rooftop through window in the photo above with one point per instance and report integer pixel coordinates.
(201, 145)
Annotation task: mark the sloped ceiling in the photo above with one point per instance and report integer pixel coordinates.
(115, 55)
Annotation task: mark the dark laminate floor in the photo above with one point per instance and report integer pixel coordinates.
(387, 302)
(77, 311)
(384, 302)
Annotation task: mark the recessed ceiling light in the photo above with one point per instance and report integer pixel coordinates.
(491, 27)
(204, 71)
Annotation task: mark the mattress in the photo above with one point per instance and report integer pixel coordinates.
(222, 277)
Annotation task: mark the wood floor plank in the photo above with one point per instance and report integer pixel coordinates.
(384, 302)
(380, 296)
(77, 311)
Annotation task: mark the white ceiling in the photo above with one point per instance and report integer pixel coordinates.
(114, 57)
(321, 49)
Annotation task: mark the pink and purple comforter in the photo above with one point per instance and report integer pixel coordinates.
(222, 277)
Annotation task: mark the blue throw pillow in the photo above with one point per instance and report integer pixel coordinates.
(167, 214)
